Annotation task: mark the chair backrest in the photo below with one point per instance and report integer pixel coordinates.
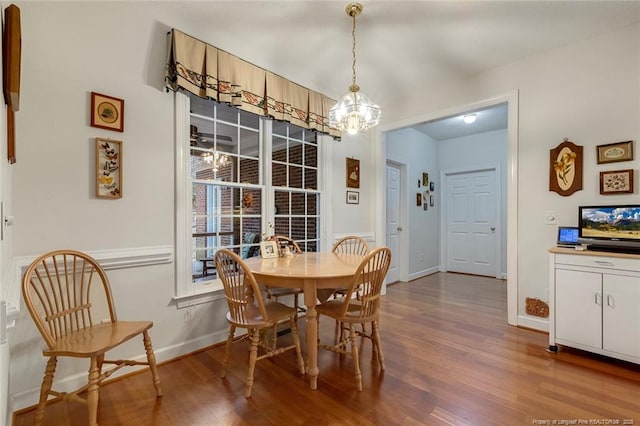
(240, 288)
(351, 244)
(59, 292)
(293, 246)
(363, 293)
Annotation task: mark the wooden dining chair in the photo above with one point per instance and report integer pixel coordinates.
(277, 292)
(351, 244)
(69, 298)
(349, 310)
(248, 310)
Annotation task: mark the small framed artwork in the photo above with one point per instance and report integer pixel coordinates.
(425, 179)
(353, 197)
(353, 173)
(107, 112)
(614, 152)
(418, 199)
(425, 206)
(108, 168)
(432, 186)
(616, 182)
(268, 249)
(432, 201)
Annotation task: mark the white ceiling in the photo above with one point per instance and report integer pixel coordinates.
(403, 47)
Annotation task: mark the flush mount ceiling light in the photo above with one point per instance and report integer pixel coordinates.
(469, 118)
(354, 112)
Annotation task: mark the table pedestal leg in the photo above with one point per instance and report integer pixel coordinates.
(312, 332)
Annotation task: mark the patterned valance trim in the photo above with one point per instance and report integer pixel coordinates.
(209, 72)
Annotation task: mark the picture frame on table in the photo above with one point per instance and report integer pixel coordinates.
(107, 112)
(615, 152)
(616, 182)
(268, 249)
(353, 197)
(108, 168)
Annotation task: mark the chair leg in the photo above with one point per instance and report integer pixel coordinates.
(47, 382)
(227, 350)
(296, 341)
(92, 392)
(253, 356)
(376, 343)
(151, 359)
(355, 356)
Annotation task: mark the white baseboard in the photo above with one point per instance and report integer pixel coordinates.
(30, 397)
(424, 273)
(541, 324)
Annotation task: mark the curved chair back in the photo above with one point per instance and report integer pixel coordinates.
(60, 289)
(351, 244)
(240, 289)
(293, 246)
(366, 286)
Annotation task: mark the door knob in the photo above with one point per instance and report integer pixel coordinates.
(399, 228)
(493, 228)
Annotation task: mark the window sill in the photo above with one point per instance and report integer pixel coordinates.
(205, 293)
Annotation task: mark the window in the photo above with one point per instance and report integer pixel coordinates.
(239, 176)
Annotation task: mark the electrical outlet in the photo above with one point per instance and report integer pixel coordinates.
(550, 217)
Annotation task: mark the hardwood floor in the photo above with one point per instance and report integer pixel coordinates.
(451, 359)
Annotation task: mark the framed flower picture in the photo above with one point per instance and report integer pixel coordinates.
(565, 168)
(107, 112)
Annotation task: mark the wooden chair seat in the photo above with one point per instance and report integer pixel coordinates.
(65, 291)
(97, 339)
(276, 312)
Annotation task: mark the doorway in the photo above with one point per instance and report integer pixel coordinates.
(510, 172)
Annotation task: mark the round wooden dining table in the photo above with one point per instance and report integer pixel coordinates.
(310, 272)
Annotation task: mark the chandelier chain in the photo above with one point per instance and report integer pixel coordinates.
(353, 49)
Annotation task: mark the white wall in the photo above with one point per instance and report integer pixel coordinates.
(419, 153)
(119, 49)
(474, 152)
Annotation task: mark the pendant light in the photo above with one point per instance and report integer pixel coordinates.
(355, 112)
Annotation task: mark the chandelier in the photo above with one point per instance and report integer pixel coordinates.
(216, 159)
(355, 112)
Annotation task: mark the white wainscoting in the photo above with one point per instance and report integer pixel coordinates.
(108, 259)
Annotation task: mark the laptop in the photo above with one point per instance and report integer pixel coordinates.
(567, 236)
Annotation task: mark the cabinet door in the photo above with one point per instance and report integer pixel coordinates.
(621, 315)
(578, 307)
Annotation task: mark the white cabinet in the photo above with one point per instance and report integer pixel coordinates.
(595, 302)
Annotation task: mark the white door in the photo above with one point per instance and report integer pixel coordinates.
(393, 220)
(471, 222)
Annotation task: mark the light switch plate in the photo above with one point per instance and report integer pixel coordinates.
(550, 217)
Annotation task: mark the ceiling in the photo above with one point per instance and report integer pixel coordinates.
(430, 42)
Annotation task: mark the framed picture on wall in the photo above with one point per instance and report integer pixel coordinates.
(614, 152)
(616, 182)
(108, 168)
(353, 197)
(107, 112)
(353, 173)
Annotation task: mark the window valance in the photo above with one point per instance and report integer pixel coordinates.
(209, 72)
